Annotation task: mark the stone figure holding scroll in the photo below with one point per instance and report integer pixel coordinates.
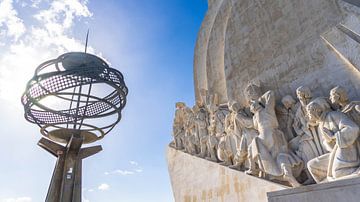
(341, 137)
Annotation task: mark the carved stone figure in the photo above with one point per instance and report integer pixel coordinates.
(212, 143)
(340, 101)
(286, 115)
(252, 92)
(202, 124)
(178, 126)
(268, 151)
(244, 121)
(341, 137)
(235, 109)
(244, 125)
(191, 139)
(213, 140)
(228, 142)
(308, 143)
(223, 151)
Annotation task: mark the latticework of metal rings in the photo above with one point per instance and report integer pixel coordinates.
(76, 93)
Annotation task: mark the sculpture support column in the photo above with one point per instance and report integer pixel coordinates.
(65, 185)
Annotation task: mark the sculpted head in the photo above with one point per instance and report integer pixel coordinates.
(317, 109)
(252, 92)
(255, 106)
(338, 96)
(288, 101)
(304, 95)
(180, 105)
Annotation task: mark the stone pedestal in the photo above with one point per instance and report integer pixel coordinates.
(195, 179)
(343, 190)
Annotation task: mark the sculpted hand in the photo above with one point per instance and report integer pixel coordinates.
(329, 135)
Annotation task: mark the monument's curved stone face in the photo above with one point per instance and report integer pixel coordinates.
(278, 44)
(252, 58)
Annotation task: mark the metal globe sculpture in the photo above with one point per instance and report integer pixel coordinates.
(60, 97)
(75, 99)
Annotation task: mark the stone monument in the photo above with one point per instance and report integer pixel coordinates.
(293, 70)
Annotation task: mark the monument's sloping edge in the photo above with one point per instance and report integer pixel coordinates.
(195, 179)
(343, 190)
(317, 187)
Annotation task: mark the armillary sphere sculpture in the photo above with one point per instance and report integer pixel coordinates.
(75, 99)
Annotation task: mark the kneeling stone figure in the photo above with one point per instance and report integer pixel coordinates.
(341, 138)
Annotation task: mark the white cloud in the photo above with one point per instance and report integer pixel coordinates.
(104, 187)
(134, 163)
(124, 172)
(11, 26)
(57, 21)
(46, 38)
(20, 199)
(132, 171)
(120, 172)
(35, 3)
(67, 9)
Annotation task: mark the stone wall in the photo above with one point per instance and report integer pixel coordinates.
(278, 44)
(195, 179)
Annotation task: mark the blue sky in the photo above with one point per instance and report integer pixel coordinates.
(150, 41)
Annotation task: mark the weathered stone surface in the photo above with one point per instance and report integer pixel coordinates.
(280, 44)
(342, 190)
(277, 46)
(201, 54)
(195, 180)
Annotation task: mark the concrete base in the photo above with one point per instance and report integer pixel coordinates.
(195, 179)
(343, 190)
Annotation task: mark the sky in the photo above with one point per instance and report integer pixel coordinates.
(150, 41)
